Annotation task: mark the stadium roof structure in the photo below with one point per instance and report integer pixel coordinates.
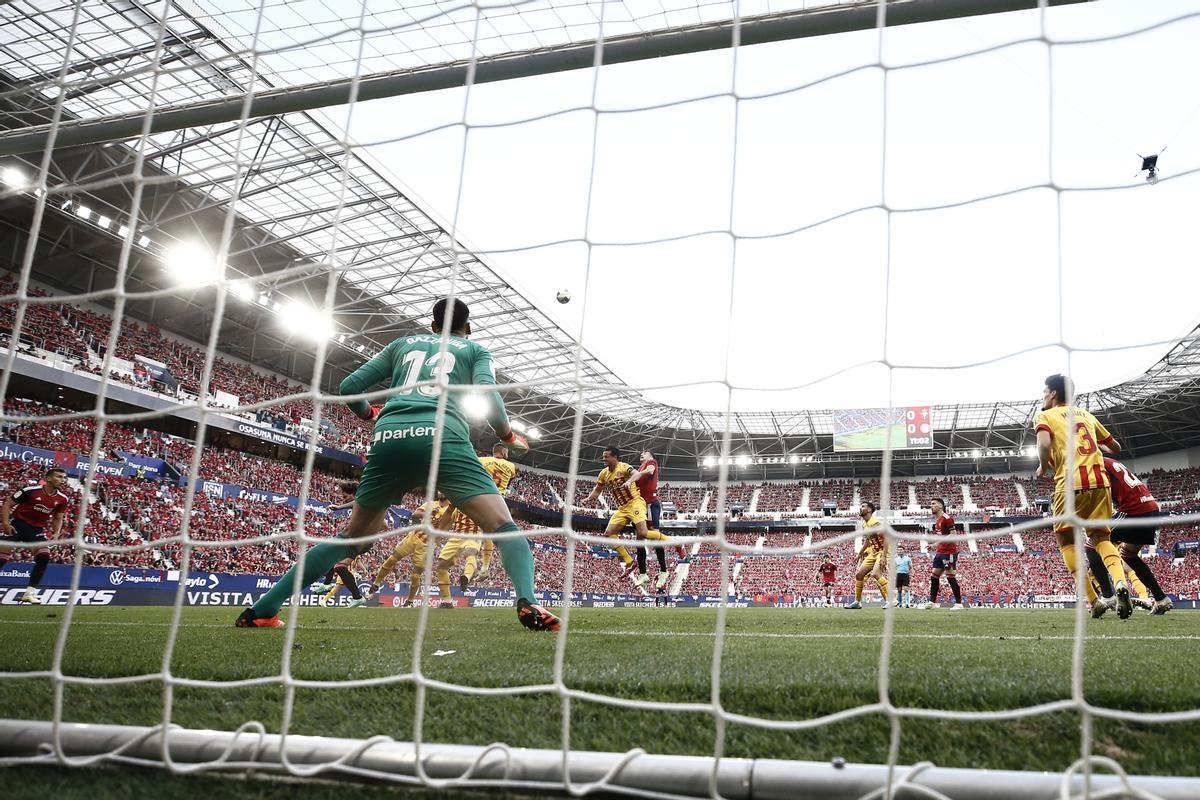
(310, 209)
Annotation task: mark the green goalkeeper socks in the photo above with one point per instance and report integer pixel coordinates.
(518, 562)
(316, 562)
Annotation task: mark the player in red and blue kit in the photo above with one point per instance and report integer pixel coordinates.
(1133, 500)
(945, 557)
(828, 573)
(25, 516)
(646, 477)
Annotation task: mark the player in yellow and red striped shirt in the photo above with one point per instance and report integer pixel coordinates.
(1088, 481)
(620, 479)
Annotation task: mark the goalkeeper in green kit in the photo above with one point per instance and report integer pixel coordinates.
(402, 454)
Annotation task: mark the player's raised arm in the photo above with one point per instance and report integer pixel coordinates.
(1108, 443)
(366, 377)
(484, 374)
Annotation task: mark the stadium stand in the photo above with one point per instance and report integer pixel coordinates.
(128, 512)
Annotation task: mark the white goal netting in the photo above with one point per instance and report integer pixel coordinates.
(817, 182)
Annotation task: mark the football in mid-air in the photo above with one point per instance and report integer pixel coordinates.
(564, 296)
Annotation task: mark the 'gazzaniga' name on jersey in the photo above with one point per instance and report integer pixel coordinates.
(457, 344)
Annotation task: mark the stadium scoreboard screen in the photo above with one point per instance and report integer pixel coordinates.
(905, 427)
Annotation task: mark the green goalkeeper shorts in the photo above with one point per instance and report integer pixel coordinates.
(402, 455)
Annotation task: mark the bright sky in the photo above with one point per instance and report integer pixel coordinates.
(966, 285)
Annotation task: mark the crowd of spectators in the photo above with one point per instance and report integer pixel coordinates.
(143, 517)
(990, 493)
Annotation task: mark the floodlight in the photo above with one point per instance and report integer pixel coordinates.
(534, 433)
(709, 461)
(517, 425)
(793, 459)
(190, 263)
(475, 406)
(243, 290)
(14, 178)
(83, 212)
(743, 461)
(103, 221)
(975, 453)
(303, 319)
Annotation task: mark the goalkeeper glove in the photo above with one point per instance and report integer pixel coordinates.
(516, 442)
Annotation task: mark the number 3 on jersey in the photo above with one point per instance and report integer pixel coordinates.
(419, 368)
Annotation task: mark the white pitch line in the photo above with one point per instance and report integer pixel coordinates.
(682, 634)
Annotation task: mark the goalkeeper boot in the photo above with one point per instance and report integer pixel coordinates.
(463, 581)
(660, 581)
(30, 596)
(248, 619)
(1124, 607)
(357, 602)
(1162, 606)
(853, 604)
(535, 617)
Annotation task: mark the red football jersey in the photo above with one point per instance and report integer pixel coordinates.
(828, 572)
(1130, 495)
(944, 526)
(34, 506)
(648, 484)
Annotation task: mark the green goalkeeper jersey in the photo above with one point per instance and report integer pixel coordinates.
(410, 360)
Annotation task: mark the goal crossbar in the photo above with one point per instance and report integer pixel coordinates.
(537, 769)
(821, 21)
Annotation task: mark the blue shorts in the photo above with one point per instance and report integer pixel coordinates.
(26, 534)
(945, 561)
(655, 514)
(1139, 535)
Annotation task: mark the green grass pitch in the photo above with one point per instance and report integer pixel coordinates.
(776, 664)
(874, 439)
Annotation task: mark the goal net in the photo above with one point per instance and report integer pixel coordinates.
(214, 213)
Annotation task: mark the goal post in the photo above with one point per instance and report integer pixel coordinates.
(634, 773)
(312, 240)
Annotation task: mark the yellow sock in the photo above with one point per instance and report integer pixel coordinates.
(337, 585)
(443, 579)
(1136, 586)
(858, 587)
(883, 586)
(624, 554)
(657, 535)
(469, 566)
(414, 583)
(386, 569)
(1071, 559)
(1112, 560)
(486, 557)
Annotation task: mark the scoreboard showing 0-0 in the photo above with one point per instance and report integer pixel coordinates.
(905, 428)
